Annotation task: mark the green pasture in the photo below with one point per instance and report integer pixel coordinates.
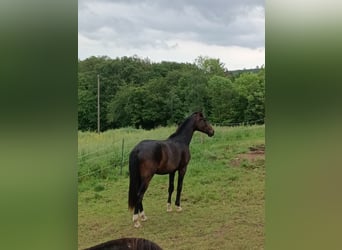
(223, 196)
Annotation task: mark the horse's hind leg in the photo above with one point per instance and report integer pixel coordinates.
(142, 215)
(136, 217)
(139, 210)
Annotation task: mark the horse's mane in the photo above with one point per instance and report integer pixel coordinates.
(182, 126)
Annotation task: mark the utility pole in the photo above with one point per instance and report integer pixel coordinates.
(98, 103)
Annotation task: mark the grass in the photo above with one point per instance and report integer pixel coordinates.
(223, 203)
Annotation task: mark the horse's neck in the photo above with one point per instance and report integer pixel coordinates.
(185, 134)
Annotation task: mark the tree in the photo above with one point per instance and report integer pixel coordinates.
(210, 66)
(137, 92)
(87, 94)
(250, 102)
(221, 94)
(117, 109)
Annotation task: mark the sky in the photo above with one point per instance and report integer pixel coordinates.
(179, 30)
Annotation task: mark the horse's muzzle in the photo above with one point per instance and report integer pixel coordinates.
(211, 133)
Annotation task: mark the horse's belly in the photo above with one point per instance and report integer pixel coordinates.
(170, 157)
(162, 172)
(166, 169)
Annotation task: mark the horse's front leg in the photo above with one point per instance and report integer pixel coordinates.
(171, 188)
(181, 174)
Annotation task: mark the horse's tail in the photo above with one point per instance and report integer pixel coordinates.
(134, 179)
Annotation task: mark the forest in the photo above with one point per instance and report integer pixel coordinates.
(135, 92)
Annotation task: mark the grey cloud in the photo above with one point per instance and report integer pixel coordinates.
(137, 24)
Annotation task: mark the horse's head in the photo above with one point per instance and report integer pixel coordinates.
(201, 124)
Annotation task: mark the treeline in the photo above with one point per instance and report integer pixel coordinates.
(137, 92)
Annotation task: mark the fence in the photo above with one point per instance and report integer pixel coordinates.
(102, 162)
(246, 123)
(111, 160)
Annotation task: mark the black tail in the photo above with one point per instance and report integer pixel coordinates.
(134, 179)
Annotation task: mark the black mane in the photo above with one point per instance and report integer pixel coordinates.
(181, 126)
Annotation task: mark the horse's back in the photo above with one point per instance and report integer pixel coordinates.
(163, 156)
(147, 149)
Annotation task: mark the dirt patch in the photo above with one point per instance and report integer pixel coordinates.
(255, 155)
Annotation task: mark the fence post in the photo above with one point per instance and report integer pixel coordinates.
(122, 155)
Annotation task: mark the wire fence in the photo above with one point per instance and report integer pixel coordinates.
(111, 160)
(102, 162)
(245, 123)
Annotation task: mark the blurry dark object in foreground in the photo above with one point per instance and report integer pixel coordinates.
(126, 244)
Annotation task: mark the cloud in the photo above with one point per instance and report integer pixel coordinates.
(169, 26)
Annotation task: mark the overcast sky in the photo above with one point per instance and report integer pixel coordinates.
(178, 30)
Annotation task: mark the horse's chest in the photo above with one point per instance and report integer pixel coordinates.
(182, 159)
(185, 157)
(175, 161)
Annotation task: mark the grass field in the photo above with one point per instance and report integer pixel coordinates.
(223, 191)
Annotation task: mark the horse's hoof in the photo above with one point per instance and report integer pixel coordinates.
(179, 208)
(137, 224)
(143, 217)
(168, 207)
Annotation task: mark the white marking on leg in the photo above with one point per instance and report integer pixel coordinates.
(135, 217)
(168, 207)
(137, 224)
(136, 221)
(179, 208)
(143, 216)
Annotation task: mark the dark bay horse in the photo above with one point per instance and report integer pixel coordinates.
(151, 157)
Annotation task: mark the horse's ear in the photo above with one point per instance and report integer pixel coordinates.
(198, 114)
